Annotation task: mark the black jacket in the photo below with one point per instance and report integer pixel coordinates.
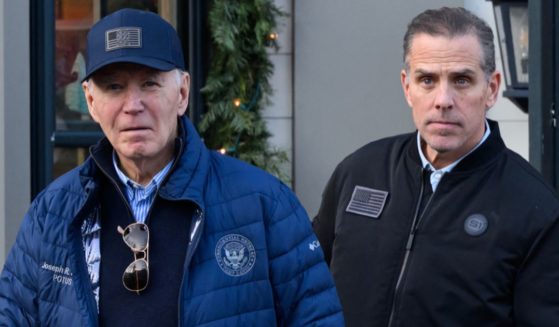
(484, 253)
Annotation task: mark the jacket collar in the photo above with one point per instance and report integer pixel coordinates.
(188, 178)
(486, 153)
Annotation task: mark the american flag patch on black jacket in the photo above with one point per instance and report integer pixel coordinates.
(367, 201)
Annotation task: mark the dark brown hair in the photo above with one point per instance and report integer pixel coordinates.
(452, 22)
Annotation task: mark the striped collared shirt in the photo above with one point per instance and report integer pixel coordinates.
(141, 197)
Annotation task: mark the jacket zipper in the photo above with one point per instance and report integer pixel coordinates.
(409, 245)
(115, 184)
(81, 269)
(195, 236)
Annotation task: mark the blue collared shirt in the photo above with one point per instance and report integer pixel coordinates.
(437, 174)
(141, 197)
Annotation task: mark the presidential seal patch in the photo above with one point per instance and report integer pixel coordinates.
(235, 254)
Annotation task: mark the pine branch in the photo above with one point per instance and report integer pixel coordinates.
(237, 87)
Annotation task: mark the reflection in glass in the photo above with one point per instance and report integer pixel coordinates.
(512, 27)
(64, 159)
(73, 20)
(111, 6)
(519, 29)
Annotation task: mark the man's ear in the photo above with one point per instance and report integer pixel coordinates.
(493, 89)
(184, 92)
(86, 85)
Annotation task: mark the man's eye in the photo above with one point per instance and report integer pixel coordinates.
(113, 86)
(426, 80)
(462, 81)
(150, 83)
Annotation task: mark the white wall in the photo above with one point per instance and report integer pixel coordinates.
(15, 178)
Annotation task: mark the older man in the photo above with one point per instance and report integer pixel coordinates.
(153, 229)
(444, 226)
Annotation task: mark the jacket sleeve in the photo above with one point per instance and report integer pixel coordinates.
(536, 299)
(19, 278)
(324, 222)
(303, 287)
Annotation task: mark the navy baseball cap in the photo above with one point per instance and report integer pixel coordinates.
(134, 36)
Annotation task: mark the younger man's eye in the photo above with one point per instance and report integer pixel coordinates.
(426, 80)
(462, 81)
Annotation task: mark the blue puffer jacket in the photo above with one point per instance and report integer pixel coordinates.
(278, 277)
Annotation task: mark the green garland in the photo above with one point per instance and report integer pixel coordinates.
(237, 87)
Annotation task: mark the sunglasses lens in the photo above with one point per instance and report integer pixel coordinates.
(136, 275)
(136, 236)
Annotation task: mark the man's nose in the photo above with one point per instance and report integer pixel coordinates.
(134, 101)
(444, 98)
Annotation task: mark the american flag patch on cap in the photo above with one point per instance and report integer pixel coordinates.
(367, 201)
(125, 37)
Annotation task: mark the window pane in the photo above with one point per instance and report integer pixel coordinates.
(114, 5)
(67, 158)
(519, 29)
(165, 8)
(73, 20)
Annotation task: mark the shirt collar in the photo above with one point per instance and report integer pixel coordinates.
(426, 164)
(156, 181)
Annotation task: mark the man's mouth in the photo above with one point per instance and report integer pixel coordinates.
(134, 129)
(443, 123)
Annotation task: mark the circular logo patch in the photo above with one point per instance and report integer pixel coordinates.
(475, 224)
(235, 254)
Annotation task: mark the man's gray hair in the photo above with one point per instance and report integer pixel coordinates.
(453, 22)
